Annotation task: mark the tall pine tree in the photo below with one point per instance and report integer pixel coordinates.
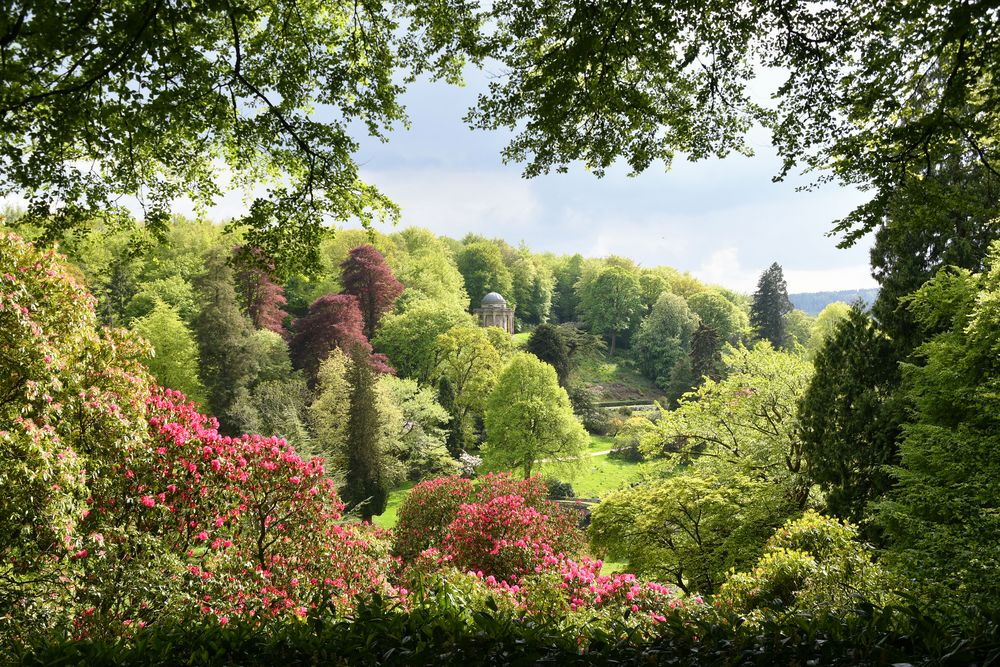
(364, 487)
(225, 340)
(770, 305)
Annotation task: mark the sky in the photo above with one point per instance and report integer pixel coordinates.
(724, 221)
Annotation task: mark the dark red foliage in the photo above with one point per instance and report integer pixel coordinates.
(333, 321)
(262, 298)
(369, 278)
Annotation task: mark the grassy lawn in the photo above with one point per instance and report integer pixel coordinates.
(601, 475)
(521, 339)
(600, 443)
(615, 378)
(388, 518)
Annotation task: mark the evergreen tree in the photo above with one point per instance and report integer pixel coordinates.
(706, 354)
(446, 397)
(947, 217)
(364, 485)
(548, 343)
(116, 292)
(769, 307)
(225, 340)
(371, 281)
(850, 416)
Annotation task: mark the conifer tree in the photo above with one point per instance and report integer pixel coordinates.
(770, 305)
(364, 485)
(225, 340)
(850, 416)
(456, 437)
(548, 343)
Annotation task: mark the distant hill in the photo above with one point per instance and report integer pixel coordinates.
(813, 302)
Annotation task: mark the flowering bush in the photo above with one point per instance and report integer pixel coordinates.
(431, 506)
(506, 537)
(426, 513)
(72, 408)
(500, 542)
(256, 527)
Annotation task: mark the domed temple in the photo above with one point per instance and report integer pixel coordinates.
(493, 311)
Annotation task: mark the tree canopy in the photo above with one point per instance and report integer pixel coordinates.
(529, 419)
(612, 302)
(882, 94)
(160, 95)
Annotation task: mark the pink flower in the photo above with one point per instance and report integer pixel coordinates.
(148, 501)
(202, 535)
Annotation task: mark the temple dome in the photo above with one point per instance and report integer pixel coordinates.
(493, 299)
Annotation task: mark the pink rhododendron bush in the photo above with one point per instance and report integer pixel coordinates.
(499, 540)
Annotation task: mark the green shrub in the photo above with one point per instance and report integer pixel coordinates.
(811, 564)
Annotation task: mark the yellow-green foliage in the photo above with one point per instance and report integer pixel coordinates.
(812, 564)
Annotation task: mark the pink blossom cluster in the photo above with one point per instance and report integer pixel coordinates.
(258, 526)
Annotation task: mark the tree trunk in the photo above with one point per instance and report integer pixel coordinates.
(614, 337)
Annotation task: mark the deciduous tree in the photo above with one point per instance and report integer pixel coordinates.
(174, 362)
(210, 92)
(529, 419)
(333, 321)
(612, 302)
(484, 271)
(263, 298)
(366, 276)
(409, 338)
(664, 341)
(943, 517)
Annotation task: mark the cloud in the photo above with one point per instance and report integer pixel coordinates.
(723, 268)
(455, 203)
